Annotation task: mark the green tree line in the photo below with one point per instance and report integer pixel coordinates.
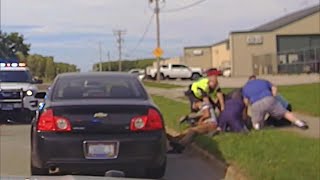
(13, 46)
(45, 67)
(126, 65)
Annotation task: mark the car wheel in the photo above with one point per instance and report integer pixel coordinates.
(157, 173)
(195, 76)
(38, 171)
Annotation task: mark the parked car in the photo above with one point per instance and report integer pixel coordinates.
(227, 72)
(92, 123)
(173, 71)
(139, 72)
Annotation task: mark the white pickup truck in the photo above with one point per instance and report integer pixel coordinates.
(173, 71)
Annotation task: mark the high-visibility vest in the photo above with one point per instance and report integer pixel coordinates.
(201, 86)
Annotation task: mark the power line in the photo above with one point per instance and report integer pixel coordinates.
(184, 7)
(143, 35)
(119, 35)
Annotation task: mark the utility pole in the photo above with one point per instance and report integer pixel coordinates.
(100, 57)
(157, 12)
(119, 35)
(109, 62)
(0, 16)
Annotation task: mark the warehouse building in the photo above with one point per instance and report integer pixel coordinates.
(290, 44)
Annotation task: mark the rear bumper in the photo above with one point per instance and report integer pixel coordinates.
(65, 151)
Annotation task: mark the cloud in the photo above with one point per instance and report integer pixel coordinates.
(71, 29)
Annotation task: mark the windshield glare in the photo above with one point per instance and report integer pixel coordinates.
(15, 76)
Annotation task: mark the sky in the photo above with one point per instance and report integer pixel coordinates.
(70, 30)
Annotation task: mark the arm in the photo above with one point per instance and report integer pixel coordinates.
(245, 109)
(274, 90)
(245, 115)
(205, 114)
(221, 100)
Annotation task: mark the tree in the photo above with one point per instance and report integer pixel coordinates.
(11, 44)
(50, 70)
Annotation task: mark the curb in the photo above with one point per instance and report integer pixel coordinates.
(230, 171)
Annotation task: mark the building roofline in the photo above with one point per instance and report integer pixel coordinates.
(194, 47)
(283, 21)
(220, 42)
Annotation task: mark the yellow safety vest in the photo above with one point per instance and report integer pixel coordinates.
(203, 84)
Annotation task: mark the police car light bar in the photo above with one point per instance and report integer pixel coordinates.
(12, 64)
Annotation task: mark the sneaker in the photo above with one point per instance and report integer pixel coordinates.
(301, 124)
(176, 147)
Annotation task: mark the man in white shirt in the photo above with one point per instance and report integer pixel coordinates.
(206, 122)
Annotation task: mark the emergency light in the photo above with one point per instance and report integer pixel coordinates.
(12, 64)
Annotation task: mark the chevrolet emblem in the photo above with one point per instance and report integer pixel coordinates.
(100, 115)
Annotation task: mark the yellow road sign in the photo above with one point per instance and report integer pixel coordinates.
(158, 52)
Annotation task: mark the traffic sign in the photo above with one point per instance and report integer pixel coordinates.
(158, 52)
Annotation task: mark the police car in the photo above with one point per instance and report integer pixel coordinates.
(17, 93)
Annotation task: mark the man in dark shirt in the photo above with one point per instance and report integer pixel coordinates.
(261, 95)
(233, 118)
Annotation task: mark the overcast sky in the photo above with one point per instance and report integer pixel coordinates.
(70, 30)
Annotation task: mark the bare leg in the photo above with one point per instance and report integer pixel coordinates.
(290, 117)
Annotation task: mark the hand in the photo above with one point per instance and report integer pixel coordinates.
(221, 109)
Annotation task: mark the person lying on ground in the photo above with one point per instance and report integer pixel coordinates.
(206, 123)
(261, 95)
(234, 117)
(207, 90)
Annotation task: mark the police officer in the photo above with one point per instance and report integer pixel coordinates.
(206, 90)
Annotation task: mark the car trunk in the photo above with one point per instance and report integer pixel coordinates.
(106, 119)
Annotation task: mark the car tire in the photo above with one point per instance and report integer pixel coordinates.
(38, 171)
(195, 76)
(157, 173)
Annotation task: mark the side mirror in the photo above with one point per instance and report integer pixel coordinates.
(40, 95)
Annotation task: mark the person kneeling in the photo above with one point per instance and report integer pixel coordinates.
(206, 123)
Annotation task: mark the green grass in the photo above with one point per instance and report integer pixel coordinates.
(267, 154)
(161, 85)
(304, 98)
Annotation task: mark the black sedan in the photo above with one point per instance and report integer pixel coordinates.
(93, 123)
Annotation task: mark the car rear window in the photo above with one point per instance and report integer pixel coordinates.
(98, 87)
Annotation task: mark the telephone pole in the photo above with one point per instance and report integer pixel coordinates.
(119, 35)
(100, 57)
(0, 16)
(109, 63)
(157, 12)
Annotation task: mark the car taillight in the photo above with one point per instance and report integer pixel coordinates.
(150, 122)
(49, 122)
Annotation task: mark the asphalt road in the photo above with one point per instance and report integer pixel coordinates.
(15, 158)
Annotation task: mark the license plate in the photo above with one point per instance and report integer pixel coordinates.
(101, 150)
(6, 107)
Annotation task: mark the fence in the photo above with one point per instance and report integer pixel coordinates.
(289, 62)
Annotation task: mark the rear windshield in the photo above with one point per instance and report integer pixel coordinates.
(98, 88)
